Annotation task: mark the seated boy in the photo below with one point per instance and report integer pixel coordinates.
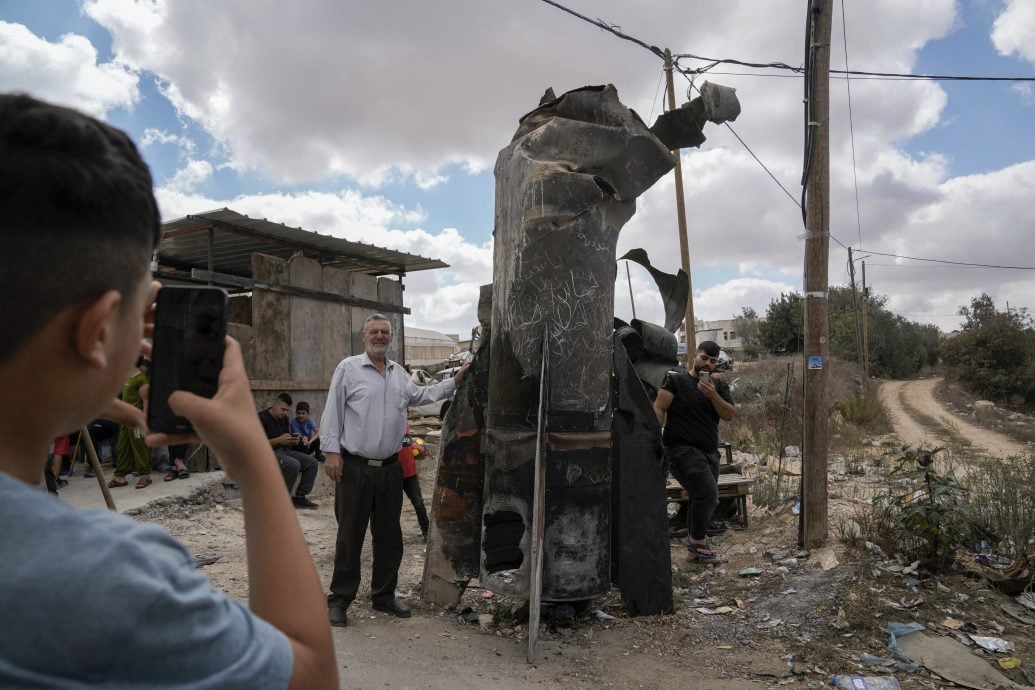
(307, 430)
(76, 204)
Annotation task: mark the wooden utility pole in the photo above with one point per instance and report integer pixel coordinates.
(684, 244)
(815, 437)
(866, 333)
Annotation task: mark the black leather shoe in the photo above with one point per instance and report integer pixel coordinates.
(394, 607)
(339, 617)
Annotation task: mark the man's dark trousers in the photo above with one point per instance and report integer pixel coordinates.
(698, 473)
(292, 463)
(367, 495)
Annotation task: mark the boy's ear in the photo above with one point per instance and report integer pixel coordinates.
(96, 329)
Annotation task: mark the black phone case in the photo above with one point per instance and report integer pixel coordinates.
(187, 351)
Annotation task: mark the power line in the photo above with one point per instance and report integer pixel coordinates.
(712, 62)
(851, 126)
(613, 28)
(945, 261)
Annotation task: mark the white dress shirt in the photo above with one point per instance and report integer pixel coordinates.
(366, 410)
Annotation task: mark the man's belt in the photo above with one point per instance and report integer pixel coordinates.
(371, 462)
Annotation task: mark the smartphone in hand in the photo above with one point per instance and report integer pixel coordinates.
(187, 351)
(704, 375)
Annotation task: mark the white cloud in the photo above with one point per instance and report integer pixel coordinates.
(66, 72)
(1014, 30)
(329, 88)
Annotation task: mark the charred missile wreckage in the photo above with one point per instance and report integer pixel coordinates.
(551, 476)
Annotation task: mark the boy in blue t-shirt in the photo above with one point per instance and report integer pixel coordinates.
(76, 200)
(307, 430)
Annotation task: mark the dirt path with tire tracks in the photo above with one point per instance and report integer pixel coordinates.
(902, 396)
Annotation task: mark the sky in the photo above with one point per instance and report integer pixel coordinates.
(380, 122)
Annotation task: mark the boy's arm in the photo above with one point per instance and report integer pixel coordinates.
(284, 587)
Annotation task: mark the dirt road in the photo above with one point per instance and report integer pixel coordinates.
(919, 418)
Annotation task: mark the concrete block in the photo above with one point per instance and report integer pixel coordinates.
(337, 320)
(306, 316)
(271, 320)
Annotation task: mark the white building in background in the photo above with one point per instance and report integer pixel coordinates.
(426, 347)
(724, 332)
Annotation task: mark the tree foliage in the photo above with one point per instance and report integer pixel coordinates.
(994, 355)
(898, 347)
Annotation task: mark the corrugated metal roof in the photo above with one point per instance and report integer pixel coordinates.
(236, 237)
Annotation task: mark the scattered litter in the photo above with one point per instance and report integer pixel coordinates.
(601, 616)
(789, 590)
(724, 646)
(740, 604)
(485, 620)
(895, 631)
(841, 622)
(1027, 599)
(874, 549)
(487, 594)
(769, 625)
(865, 682)
(1008, 662)
(993, 644)
(202, 560)
(715, 612)
(875, 661)
(954, 662)
(952, 624)
(1019, 613)
(911, 568)
(710, 601)
(796, 510)
(826, 558)
(905, 605)
(749, 572)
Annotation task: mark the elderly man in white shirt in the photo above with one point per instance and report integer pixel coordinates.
(363, 425)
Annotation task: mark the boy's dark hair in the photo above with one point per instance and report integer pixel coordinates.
(709, 347)
(76, 204)
(285, 398)
(302, 406)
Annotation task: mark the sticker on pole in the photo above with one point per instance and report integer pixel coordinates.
(815, 361)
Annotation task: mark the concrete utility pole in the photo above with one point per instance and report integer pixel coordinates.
(684, 244)
(815, 440)
(855, 308)
(866, 332)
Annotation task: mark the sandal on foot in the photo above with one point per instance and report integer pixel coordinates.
(144, 481)
(700, 553)
(182, 474)
(117, 482)
(170, 475)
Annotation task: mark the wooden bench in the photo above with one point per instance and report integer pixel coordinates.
(735, 486)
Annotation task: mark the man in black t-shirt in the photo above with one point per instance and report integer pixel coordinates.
(292, 463)
(689, 406)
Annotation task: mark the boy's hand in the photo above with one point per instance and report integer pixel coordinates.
(227, 423)
(125, 414)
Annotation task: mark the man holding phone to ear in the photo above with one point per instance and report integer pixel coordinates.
(689, 406)
(76, 201)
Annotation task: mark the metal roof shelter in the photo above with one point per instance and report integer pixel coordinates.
(217, 246)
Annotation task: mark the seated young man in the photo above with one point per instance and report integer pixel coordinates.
(307, 430)
(76, 203)
(292, 463)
